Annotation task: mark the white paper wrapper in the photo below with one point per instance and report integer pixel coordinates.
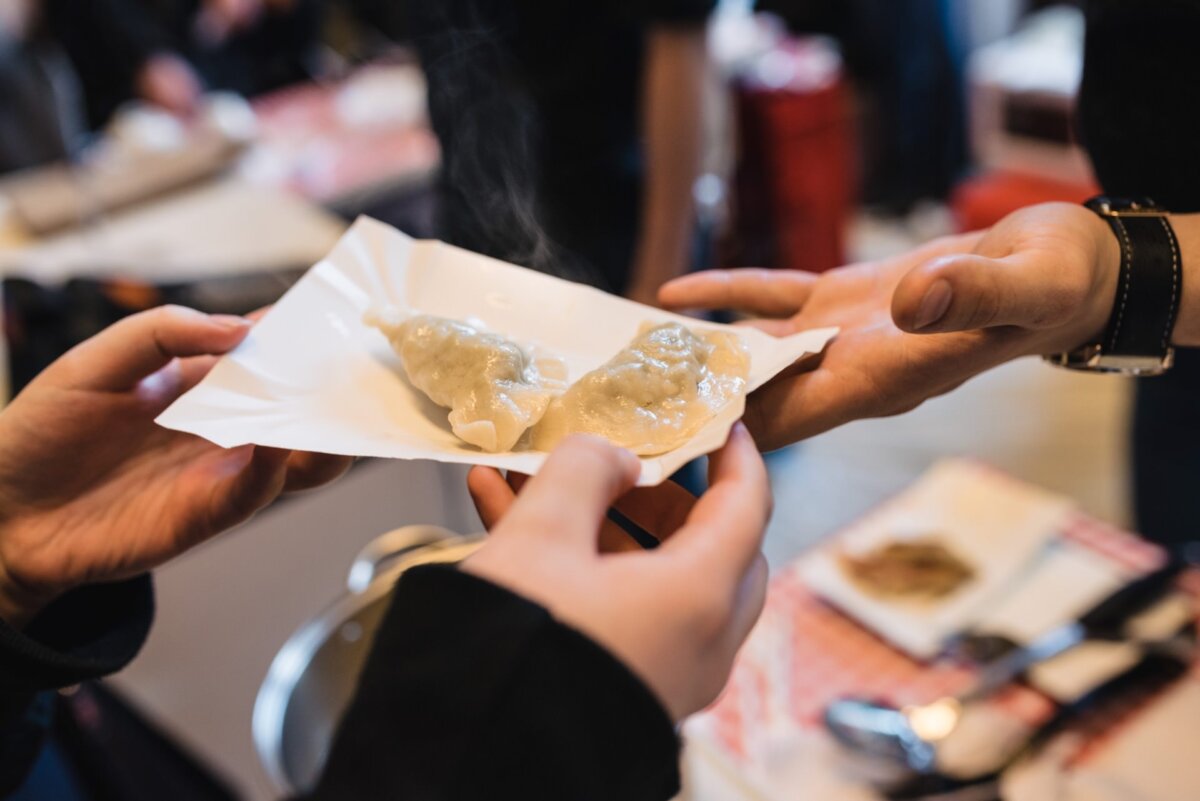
(998, 525)
(312, 376)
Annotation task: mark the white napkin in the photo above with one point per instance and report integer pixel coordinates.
(312, 376)
(1152, 758)
(1064, 581)
(996, 524)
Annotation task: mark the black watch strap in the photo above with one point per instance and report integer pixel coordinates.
(1137, 340)
(1148, 289)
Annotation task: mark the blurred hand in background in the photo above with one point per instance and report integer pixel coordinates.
(169, 82)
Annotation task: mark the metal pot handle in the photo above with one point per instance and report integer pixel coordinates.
(386, 547)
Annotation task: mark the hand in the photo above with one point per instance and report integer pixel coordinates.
(169, 82)
(92, 490)
(1040, 281)
(659, 511)
(646, 294)
(16, 19)
(675, 615)
(217, 20)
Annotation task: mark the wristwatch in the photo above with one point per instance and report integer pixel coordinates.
(1137, 340)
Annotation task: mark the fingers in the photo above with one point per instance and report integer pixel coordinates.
(119, 357)
(569, 496)
(769, 293)
(494, 495)
(491, 494)
(798, 405)
(259, 313)
(724, 531)
(307, 471)
(776, 328)
(660, 510)
(749, 601)
(248, 479)
(965, 292)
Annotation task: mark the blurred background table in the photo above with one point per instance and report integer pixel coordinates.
(764, 739)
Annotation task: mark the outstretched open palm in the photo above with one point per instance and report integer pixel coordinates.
(1042, 280)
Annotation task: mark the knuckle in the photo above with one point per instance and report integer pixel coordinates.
(984, 307)
(169, 313)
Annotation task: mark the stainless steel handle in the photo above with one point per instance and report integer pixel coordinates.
(387, 547)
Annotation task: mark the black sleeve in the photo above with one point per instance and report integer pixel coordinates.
(1137, 106)
(86, 634)
(669, 12)
(108, 42)
(472, 692)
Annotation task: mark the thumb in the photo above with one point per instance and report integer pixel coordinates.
(126, 352)
(965, 291)
(570, 495)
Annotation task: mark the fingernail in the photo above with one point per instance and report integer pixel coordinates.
(934, 305)
(230, 321)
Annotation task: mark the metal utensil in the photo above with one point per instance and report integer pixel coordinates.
(314, 675)
(910, 735)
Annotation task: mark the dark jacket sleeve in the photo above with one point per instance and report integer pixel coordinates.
(1137, 109)
(86, 634)
(473, 692)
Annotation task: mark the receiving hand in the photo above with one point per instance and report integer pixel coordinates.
(1040, 281)
(92, 490)
(675, 615)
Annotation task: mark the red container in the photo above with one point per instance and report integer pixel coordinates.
(982, 201)
(797, 176)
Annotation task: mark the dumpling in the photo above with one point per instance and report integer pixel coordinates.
(653, 395)
(494, 389)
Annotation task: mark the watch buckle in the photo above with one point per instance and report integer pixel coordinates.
(1105, 208)
(1092, 358)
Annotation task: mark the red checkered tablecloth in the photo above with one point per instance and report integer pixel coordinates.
(805, 653)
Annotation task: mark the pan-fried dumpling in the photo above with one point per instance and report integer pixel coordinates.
(653, 395)
(494, 389)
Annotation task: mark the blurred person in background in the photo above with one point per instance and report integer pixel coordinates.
(571, 132)
(168, 52)
(40, 111)
(905, 59)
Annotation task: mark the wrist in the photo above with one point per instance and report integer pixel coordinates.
(19, 603)
(1106, 273)
(1128, 328)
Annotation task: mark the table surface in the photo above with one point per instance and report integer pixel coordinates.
(268, 213)
(827, 655)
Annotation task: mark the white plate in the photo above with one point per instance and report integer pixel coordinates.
(311, 376)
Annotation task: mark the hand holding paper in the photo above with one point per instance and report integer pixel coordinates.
(93, 491)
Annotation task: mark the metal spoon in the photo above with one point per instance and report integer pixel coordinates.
(910, 735)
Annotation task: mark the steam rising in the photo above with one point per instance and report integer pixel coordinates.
(488, 126)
